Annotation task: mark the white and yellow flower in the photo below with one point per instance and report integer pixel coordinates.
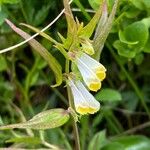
(92, 71)
(84, 102)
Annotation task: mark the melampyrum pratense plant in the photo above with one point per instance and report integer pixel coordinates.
(83, 72)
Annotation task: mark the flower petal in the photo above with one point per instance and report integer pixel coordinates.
(95, 66)
(84, 102)
(94, 104)
(90, 78)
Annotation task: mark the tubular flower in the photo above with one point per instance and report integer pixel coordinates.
(92, 71)
(84, 102)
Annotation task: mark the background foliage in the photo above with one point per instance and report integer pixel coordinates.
(25, 78)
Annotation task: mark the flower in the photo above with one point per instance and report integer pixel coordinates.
(84, 102)
(92, 71)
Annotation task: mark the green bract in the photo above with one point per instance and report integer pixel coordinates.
(45, 120)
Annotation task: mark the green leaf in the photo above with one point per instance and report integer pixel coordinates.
(134, 142)
(130, 100)
(136, 32)
(88, 30)
(52, 62)
(57, 45)
(72, 27)
(9, 1)
(28, 10)
(70, 19)
(3, 16)
(3, 63)
(139, 58)
(132, 12)
(95, 3)
(146, 21)
(102, 20)
(123, 39)
(108, 95)
(113, 146)
(147, 46)
(141, 4)
(34, 78)
(98, 141)
(102, 35)
(45, 120)
(124, 50)
(25, 140)
(41, 15)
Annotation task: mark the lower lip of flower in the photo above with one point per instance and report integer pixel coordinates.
(94, 86)
(101, 75)
(86, 110)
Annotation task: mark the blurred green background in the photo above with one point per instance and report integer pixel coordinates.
(25, 78)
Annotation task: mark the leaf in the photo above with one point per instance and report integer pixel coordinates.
(113, 146)
(28, 10)
(70, 19)
(45, 120)
(141, 4)
(9, 1)
(3, 16)
(25, 140)
(41, 15)
(146, 49)
(3, 63)
(123, 39)
(41, 33)
(34, 78)
(72, 27)
(99, 41)
(134, 142)
(52, 62)
(136, 32)
(98, 141)
(146, 22)
(130, 100)
(102, 20)
(132, 12)
(124, 50)
(95, 3)
(88, 30)
(108, 95)
(139, 58)
(57, 45)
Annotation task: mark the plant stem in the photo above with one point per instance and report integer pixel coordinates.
(71, 104)
(132, 82)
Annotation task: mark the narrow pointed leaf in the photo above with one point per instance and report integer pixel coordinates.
(47, 37)
(98, 141)
(38, 31)
(102, 36)
(53, 63)
(69, 16)
(90, 27)
(102, 20)
(45, 120)
(72, 27)
(25, 140)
